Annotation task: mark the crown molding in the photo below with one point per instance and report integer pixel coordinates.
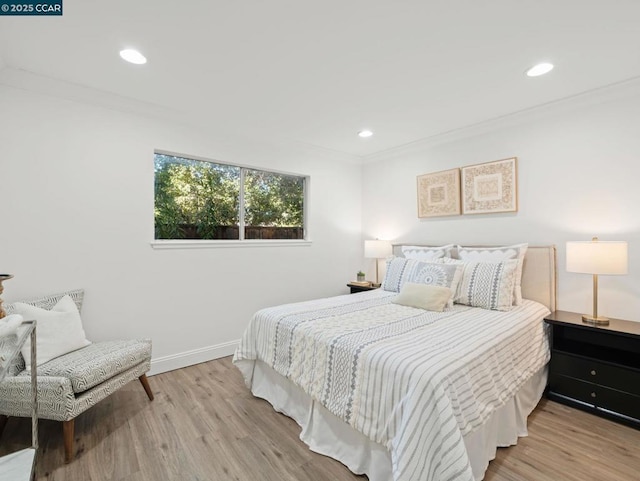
(29, 81)
(584, 99)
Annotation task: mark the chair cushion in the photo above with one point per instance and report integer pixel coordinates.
(96, 363)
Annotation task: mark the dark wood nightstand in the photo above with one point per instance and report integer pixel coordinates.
(355, 288)
(596, 368)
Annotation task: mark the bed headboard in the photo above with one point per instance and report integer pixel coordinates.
(538, 273)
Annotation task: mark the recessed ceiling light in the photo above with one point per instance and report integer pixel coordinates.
(133, 56)
(540, 69)
(365, 133)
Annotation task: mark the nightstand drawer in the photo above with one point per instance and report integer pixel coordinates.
(596, 372)
(594, 395)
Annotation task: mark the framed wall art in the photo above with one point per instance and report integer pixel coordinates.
(439, 194)
(490, 187)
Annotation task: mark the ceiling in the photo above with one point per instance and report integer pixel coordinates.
(317, 72)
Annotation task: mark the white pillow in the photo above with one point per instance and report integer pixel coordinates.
(58, 331)
(497, 254)
(423, 253)
(423, 296)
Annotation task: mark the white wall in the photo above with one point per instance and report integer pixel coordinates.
(77, 211)
(579, 176)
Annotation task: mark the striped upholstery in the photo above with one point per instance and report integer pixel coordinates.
(47, 302)
(70, 384)
(56, 399)
(96, 363)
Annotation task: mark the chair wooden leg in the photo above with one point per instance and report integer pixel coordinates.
(3, 422)
(145, 384)
(67, 430)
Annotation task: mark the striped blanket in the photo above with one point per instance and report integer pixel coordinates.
(411, 380)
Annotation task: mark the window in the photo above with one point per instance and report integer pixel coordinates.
(199, 199)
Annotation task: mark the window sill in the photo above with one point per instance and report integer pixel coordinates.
(211, 244)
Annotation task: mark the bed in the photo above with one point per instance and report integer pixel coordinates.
(399, 393)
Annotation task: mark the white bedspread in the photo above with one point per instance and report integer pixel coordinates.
(413, 381)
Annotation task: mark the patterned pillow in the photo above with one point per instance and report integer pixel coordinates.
(497, 254)
(426, 253)
(400, 271)
(488, 285)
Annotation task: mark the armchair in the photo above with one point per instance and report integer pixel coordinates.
(70, 384)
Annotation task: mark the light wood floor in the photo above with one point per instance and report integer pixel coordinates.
(204, 426)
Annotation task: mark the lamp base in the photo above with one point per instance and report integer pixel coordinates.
(595, 321)
(375, 284)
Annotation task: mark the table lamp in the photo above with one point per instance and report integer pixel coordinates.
(597, 258)
(377, 249)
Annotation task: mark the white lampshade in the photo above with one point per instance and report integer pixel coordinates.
(596, 257)
(377, 249)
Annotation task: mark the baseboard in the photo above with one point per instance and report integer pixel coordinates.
(189, 358)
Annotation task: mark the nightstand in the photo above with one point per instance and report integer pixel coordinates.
(354, 288)
(596, 368)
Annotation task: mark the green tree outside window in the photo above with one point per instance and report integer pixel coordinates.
(197, 199)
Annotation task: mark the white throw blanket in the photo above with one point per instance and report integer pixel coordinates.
(411, 380)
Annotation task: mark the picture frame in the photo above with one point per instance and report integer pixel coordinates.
(439, 193)
(490, 187)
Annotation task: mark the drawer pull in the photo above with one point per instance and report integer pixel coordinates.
(593, 372)
(593, 394)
